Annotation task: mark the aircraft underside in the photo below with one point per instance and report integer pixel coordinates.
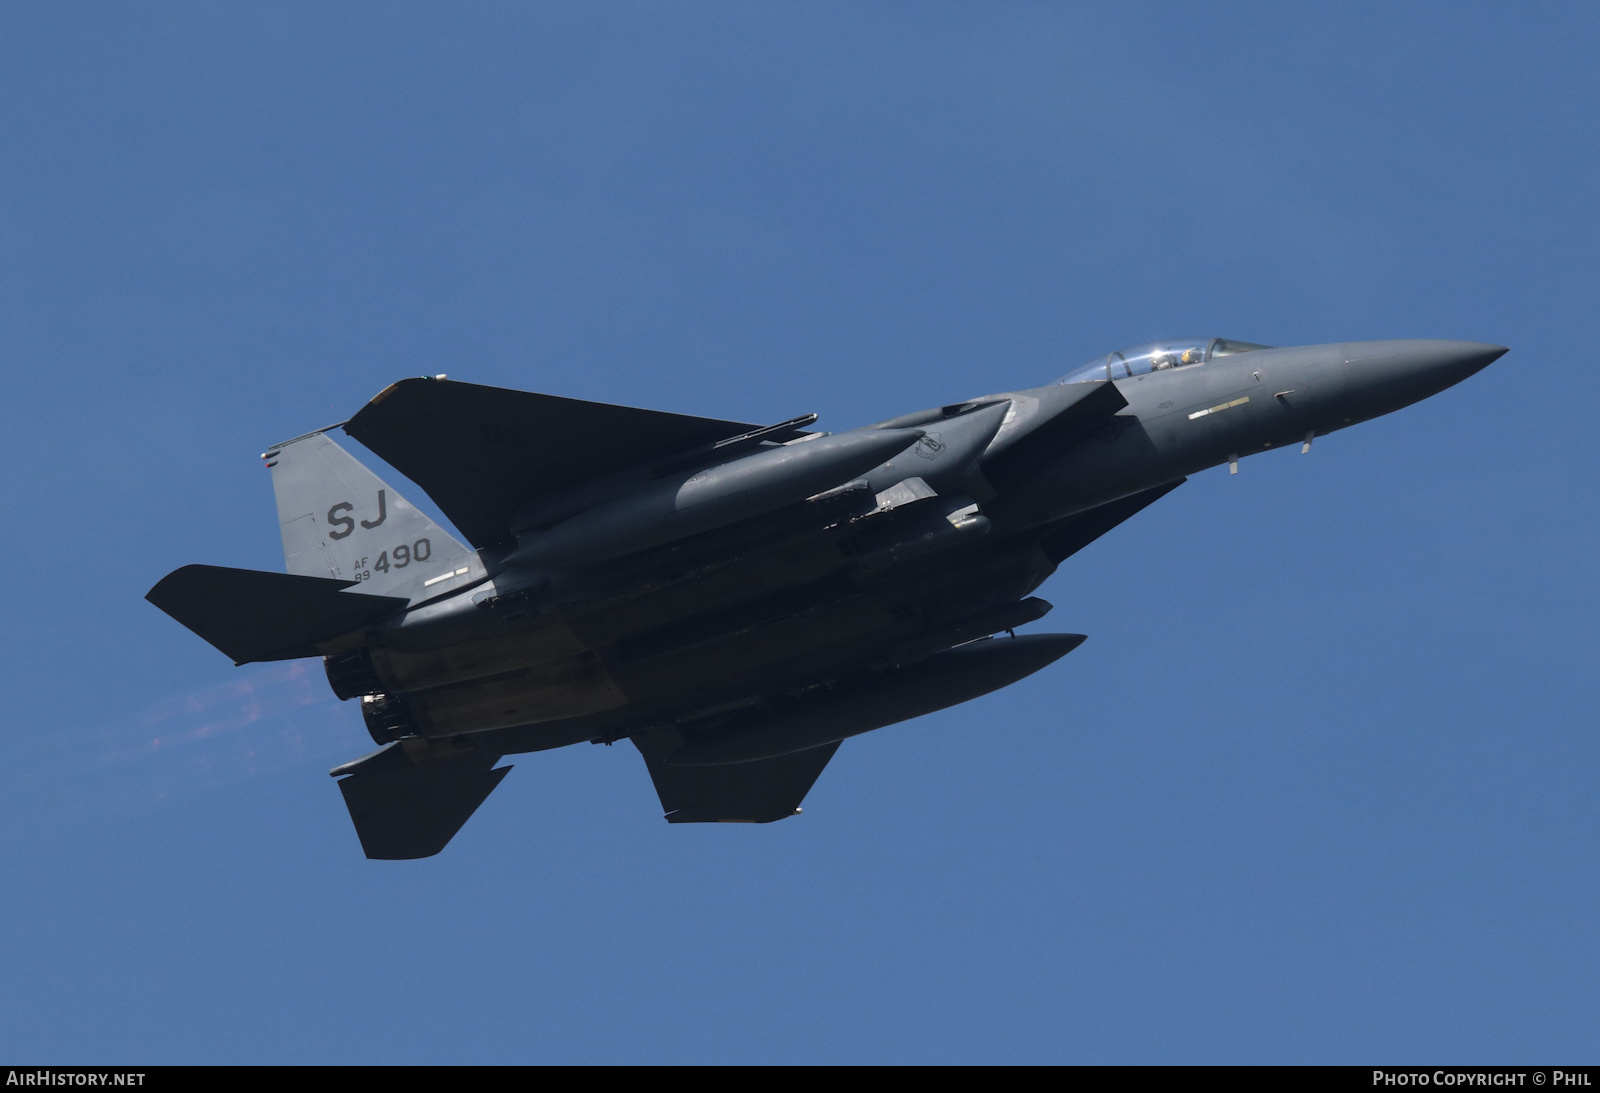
(734, 599)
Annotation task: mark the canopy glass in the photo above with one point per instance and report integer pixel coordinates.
(1155, 356)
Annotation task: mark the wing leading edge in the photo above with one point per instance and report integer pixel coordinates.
(758, 792)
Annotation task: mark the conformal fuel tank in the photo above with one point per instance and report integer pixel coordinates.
(711, 498)
(873, 701)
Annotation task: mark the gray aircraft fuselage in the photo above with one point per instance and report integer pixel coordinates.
(1177, 421)
(738, 608)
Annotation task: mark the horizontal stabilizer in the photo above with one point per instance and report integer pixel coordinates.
(405, 809)
(752, 793)
(1074, 533)
(252, 615)
(483, 452)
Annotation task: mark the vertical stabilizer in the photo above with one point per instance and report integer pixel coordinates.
(342, 521)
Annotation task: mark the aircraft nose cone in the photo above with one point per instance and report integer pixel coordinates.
(1384, 376)
(1447, 363)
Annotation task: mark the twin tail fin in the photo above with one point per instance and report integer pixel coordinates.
(341, 521)
(356, 551)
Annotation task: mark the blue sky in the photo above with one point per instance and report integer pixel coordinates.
(1321, 786)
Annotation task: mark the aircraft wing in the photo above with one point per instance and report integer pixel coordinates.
(753, 793)
(482, 452)
(1066, 537)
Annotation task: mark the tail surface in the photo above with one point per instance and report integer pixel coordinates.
(251, 615)
(340, 520)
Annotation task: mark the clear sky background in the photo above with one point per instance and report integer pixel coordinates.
(1322, 784)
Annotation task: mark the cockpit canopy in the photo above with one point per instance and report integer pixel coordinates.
(1155, 356)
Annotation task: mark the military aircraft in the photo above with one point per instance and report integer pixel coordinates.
(734, 599)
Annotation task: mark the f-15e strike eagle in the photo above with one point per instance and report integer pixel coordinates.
(734, 599)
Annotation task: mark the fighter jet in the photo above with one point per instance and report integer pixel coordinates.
(734, 599)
